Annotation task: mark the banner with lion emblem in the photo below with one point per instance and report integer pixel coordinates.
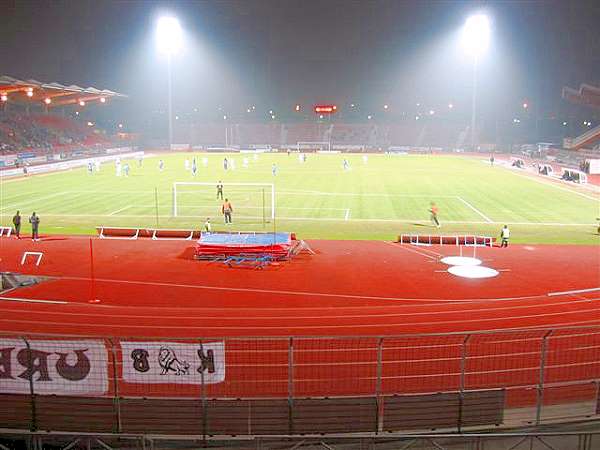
(173, 362)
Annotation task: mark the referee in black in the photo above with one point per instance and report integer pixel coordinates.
(220, 190)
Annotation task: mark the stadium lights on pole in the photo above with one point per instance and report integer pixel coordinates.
(81, 103)
(169, 40)
(47, 100)
(475, 41)
(3, 97)
(102, 100)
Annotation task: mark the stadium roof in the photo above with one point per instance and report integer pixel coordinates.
(587, 95)
(51, 94)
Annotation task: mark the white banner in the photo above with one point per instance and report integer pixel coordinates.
(55, 367)
(173, 362)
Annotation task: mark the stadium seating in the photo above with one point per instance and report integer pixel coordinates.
(42, 134)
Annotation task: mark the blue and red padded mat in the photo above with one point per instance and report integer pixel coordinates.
(213, 244)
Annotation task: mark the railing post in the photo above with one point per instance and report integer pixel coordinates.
(461, 385)
(203, 398)
(31, 389)
(291, 385)
(116, 399)
(378, 384)
(540, 389)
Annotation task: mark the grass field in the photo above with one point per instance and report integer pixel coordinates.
(386, 196)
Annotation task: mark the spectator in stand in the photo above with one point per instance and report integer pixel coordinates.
(17, 224)
(35, 224)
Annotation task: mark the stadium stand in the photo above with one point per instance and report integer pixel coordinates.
(43, 134)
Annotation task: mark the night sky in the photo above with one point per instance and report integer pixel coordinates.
(275, 53)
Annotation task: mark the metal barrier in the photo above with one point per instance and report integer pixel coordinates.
(300, 385)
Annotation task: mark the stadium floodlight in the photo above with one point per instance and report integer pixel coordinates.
(169, 35)
(169, 40)
(476, 35)
(475, 41)
(81, 103)
(3, 97)
(102, 99)
(47, 100)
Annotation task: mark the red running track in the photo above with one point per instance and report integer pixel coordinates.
(155, 288)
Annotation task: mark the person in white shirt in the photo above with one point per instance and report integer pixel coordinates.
(186, 164)
(505, 236)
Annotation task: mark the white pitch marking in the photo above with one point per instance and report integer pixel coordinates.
(578, 291)
(119, 210)
(533, 178)
(486, 218)
(411, 250)
(347, 216)
(32, 300)
(333, 219)
(33, 200)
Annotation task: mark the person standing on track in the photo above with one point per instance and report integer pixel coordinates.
(35, 224)
(17, 224)
(434, 215)
(505, 236)
(220, 190)
(227, 209)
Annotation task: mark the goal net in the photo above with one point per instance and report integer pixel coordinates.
(251, 202)
(316, 146)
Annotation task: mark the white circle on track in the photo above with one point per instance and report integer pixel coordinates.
(460, 261)
(473, 271)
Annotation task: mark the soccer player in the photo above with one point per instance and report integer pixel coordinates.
(90, 168)
(434, 214)
(161, 165)
(205, 162)
(491, 160)
(365, 159)
(274, 169)
(505, 236)
(186, 164)
(194, 167)
(346, 164)
(17, 224)
(220, 190)
(97, 165)
(35, 224)
(207, 226)
(245, 163)
(126, 169)
(232, 164)
(227, 209)
(225, 163)
(118, 168)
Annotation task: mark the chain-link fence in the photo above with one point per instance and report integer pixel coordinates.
(300, 385)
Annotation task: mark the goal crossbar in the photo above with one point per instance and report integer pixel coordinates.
(270, 187)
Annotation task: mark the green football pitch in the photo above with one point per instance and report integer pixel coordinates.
(375, 199)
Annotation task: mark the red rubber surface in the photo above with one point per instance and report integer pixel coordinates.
(155, 289)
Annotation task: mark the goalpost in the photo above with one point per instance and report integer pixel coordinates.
(250, 201)
(307, 145)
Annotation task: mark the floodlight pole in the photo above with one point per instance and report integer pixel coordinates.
(474, 105)
(170, 100)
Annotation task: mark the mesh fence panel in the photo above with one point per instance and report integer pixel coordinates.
(421, 364)
(337, 366)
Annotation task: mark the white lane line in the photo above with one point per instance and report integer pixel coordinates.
(486, 218)
(408, 249)
(119, 210)
(347, 216)
(578, 291)
(32, 300)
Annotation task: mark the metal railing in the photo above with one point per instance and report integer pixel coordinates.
(300, 385)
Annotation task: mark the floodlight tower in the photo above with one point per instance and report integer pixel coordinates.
(475, 41)
(169, 40)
